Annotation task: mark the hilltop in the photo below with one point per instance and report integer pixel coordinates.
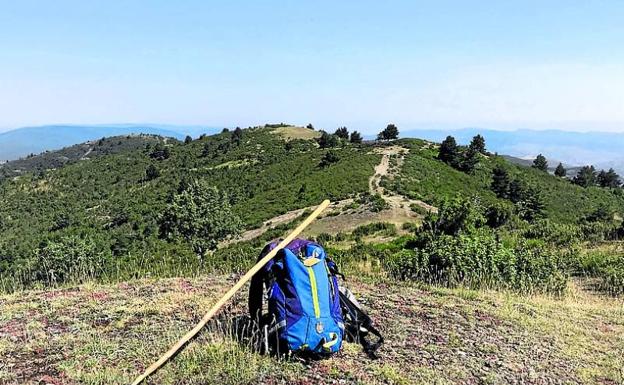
(465, 285)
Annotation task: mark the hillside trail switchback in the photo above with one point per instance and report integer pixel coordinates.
(398, 210)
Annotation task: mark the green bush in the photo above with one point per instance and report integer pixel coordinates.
(387, 229)
(201, 215)
(478, 260)
(613, 279)
(605, 265)
(563, 234)
(68, 258)
(375, 202)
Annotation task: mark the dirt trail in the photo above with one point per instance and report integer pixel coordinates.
(284, 218)
(86, 153)
(398, 212)
(396, 202)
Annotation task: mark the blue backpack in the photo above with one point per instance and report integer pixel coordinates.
(304, 310)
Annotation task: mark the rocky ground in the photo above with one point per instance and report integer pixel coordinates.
(98, 334)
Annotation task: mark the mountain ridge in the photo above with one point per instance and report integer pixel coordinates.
(23, 141)
(574, 148)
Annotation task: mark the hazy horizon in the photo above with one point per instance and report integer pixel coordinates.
(366, 129)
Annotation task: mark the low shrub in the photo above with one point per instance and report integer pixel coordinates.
(385, 228)
(478, 260)
(606, 265)
(375, 202)
(612, 279)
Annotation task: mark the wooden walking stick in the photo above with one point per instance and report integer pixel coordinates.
(187, 337)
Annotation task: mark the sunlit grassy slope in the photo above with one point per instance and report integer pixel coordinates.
(95, 334)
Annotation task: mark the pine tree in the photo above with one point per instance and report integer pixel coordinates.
(608, 179)
(516, 190)
(151, 172)
(237, 136)
(389, 133)
(560, 171)
(356, 137)
(500, 182)
(310, 126)
(188, 139)
(469, 160)
(477, 144)
(327, 140)
(342, 133)
(449, 152)
(540, 163)
(585, 177)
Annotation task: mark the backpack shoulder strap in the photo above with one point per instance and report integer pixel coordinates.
(256, 287)
(358, 325)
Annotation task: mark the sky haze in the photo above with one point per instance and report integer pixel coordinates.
(443, 64)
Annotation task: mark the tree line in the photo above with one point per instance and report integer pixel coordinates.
(465, 158)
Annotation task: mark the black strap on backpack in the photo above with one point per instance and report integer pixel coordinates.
(256, 289)
(358, 325)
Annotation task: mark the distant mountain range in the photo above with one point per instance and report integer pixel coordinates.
(21, 142)
(602, 149)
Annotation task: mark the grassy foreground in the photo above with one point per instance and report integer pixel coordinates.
(106, 334)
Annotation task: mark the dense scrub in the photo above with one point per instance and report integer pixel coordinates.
(479, 260)
(113, 204)
(72, 154)
(109, 217)
(459, 247)
(605, 263)
(425, 177)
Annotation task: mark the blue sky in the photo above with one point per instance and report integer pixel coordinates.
(437, 64)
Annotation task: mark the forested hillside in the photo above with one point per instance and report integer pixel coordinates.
(83, 151)
(125, 204)
(110, 207)
(423, 176)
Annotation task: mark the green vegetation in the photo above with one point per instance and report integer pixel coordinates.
(201, 215)
(460, 158)
(540, 163)
(389, 133)
(171, 209)
(455, 246)
(425, 177)
(560, 171)
(90, 150)
(162, 210)
(117, 202)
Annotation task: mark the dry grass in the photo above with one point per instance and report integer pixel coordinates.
(97, 334)
(293, 132)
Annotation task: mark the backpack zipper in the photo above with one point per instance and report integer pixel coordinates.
(315, 301)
